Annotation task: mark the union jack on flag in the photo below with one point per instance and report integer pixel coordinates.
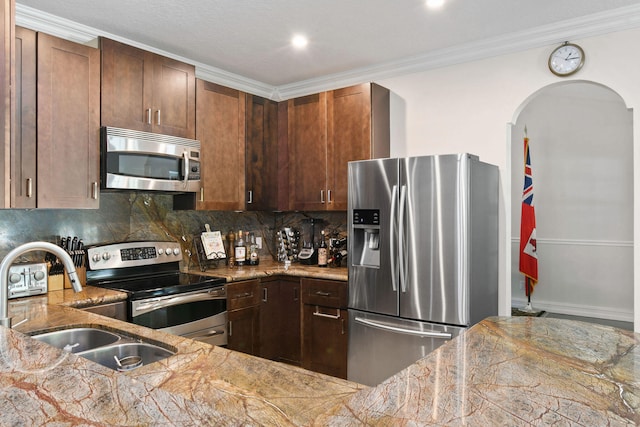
(528, 244)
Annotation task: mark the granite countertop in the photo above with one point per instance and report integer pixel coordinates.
(272, 268)
(502, 371)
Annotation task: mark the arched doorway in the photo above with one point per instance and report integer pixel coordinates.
(581, 139)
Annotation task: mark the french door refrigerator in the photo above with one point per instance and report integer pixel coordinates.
(423, 257)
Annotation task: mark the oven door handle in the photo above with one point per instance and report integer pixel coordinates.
(158, 303)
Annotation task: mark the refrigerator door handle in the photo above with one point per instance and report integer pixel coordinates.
(392, 240)
(426, 334)
(401, 240)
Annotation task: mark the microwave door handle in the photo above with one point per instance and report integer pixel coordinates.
(185, 155)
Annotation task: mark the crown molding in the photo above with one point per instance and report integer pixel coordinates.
(592, 25)
(588, 26)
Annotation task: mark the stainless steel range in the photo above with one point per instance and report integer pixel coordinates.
(160, 296)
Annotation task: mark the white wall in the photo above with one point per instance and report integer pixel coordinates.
(581, 144)
(469, 107)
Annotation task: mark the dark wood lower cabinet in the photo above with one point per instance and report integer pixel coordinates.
(280, 320)
(244, 330)
(243, 316)
(301, 322)
(325, 326)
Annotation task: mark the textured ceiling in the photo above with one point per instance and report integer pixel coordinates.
(251, 38)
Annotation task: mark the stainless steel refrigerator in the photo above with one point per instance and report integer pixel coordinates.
(423, 257)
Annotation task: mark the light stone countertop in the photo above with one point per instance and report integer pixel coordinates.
(503, 371)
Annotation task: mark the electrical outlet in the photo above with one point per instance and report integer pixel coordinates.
(259, 243)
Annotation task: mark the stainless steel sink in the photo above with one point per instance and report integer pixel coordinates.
(115, 351)
(127, 356)
(76, 340)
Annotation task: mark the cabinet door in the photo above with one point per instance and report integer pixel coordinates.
(307, 118)
(280, 320)
(221, 132)
(174, 97)
(127, 86)
(7, 10)
(325, 340)
(261, 154)
(23, 144)
(244, 330)
(68, 123)
(349, 137)
(270, 319)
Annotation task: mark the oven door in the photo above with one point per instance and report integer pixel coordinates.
(199, 315)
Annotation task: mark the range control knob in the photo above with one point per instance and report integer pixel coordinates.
(38, 275)
(14, 278)
(176, 251)
(160, 251)
(106, 256)
(95, 257)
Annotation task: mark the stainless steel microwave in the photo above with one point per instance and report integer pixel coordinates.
(134, 160)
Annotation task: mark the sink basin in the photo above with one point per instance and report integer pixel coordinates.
(115, 351)
(129, 355)
(76, 340)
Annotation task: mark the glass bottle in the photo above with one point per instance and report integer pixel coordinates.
(254, 258)
(322, 251)
(240, 250)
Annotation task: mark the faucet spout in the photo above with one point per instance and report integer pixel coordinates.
(21, 250)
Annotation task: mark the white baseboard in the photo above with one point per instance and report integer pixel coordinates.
(577, 310)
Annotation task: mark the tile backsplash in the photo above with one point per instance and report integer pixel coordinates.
(128, 216)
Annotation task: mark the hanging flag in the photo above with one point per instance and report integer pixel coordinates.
(528, 248)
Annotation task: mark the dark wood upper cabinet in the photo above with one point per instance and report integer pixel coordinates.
(221, 132)
(68, 124)
(24, 142)
(307, 143)
(146, 92)
(261, 177)
(325, 132)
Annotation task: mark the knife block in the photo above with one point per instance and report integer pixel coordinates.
(82, 274)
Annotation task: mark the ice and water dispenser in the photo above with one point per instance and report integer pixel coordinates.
(366, 237)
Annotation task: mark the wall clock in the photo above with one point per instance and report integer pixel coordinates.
(566, 59)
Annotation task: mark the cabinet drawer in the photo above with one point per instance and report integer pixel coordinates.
(326, 293)
(243, 294)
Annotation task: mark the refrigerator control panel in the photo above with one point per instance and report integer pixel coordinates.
(366, 217)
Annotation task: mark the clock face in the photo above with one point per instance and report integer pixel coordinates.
(566, 59)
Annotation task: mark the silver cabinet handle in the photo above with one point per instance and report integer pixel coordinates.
(250, 197)
(426, 334)
(328, 196)
(202, 194)
(323, 294)
(158, 118)
(321, 196)
(29, 187)
(264, 294)
(94, 190)
(148, 116)
(230, 327)
(330, 316)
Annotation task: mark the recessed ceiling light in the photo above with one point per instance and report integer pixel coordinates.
(299, 41)
(434, 4)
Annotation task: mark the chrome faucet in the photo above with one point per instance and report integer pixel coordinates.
(21, 250)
